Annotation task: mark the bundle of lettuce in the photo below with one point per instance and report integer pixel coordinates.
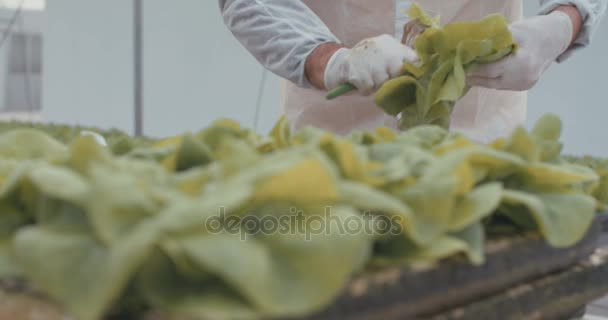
(228, 224)
(428, 90)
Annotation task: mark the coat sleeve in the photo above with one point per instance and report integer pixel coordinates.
(592, 12)
(280, 34)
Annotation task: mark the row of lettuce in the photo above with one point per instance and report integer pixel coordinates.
(228, 224)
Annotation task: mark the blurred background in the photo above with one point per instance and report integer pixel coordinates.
(73, 61)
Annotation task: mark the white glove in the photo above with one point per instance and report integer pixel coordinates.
(369, 64)
(541, 39)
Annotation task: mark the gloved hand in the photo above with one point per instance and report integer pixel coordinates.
(542, 40)
(369, 64)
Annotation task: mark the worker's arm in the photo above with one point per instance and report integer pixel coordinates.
(562, 27)
(291, 41)
(576, 18)
(317, 62)
(585, 15)
(280, 34)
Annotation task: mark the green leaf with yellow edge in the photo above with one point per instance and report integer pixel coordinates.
(400, 250)
(281, 133)
(493, 28)
(59, 215)
(192, 153)
(105, 271)
(397, 94)
(454, 167)
(414, 70)
(548, 127)
(385, 134)
(308, 181)
(265, 268)
(228, 124)
(47, 178)
(476, 205)
(274, 163)
(193, 181)
(471, 50)
(447, 179)
(442, 248)
(551, 175)
(161, 284)
(345, 156)
(601, 192)
(184, 265)
(220, 132)
(452, 144)
(473, 235)
(370, 200)
(12, 184)
(30, 144)
(120, 202)
(562, 218)
(425, 136)
(168, 142)
(450, 91)
(9, 268)
(599, 189)
(33, 189)
(432, 217)
(309, 136)
(351, 160)
(438, 114)
(523, 145)
(166, 156)
(399, 162)
(497, 163)
(11, 219)
(435, 85)
(550, 150)
(415, 12)
(85, 152)
(7, 166)
(122, 146)
(546, 132)
(170, 162)
(393, 171)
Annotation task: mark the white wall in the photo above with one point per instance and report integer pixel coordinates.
(87, 72)
(195, 72)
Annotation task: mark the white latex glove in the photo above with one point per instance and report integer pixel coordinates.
(542, 39)
(369, 64)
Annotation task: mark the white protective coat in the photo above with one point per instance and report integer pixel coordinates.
(281, 34)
